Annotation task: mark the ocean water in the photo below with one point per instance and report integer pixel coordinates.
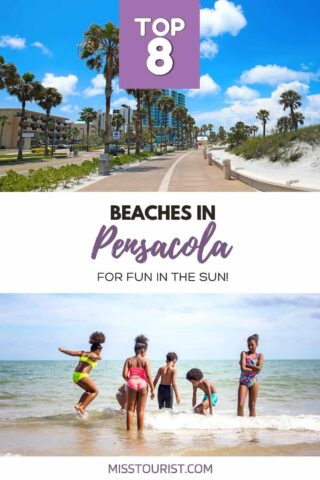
(37, 412)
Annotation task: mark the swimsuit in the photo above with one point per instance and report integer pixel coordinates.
(165, 396)
(249, 379)
(140, 381)
(88, 360)
(214, 398)
(77, 376)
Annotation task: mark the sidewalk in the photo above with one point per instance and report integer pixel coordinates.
(172, 173)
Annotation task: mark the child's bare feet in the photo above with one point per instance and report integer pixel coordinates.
(82, 410)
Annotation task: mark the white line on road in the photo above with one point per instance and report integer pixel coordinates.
(164, 185)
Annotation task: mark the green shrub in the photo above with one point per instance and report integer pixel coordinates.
(277, 147)
(47, 179)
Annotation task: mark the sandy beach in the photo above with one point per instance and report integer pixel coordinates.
(306, 170)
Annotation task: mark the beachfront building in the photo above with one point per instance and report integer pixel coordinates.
(158, 116)
(101, 120)
(82, 128)
(34, 128)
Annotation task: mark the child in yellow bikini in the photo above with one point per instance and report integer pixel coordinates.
(81, 375)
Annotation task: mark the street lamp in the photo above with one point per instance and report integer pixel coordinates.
(128, 132)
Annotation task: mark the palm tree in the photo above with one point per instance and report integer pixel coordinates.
(88, 115)
(296, 118)
(210, 128)
(170, 133)
(159, 132)
(101, 50)
(8, 74)
(179, 114)
(137, 117)
(166, 105)
(150, 98)
(3, 122)
(138, 95)
(184, 129)
(196, 131)
(263, 116)
(292, 100)
(72, 134)
(254, 130)
(48, 99)
(117, 121)
(222, 134)
(26, 90)
(283, 124)
(203, 129)
(190, 123)
(2, 73)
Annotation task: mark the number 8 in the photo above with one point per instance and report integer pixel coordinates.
(163, 54)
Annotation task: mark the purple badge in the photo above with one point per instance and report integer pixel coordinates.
(159, 44)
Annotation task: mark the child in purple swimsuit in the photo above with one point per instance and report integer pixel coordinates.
(251, 364)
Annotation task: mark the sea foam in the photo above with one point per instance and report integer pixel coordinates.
(180, 421)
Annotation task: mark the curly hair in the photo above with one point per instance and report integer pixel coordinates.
(194, 374)
(171, 357)
(253, 338)
(96, 339)
(141, 343)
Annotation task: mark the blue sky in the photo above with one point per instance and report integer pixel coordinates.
(251, 52)
(196, 326)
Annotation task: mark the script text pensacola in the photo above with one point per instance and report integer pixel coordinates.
(204, 246)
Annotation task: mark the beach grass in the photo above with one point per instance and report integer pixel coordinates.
(283, 147)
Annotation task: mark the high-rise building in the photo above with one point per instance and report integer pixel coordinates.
(101, 120)
(156, 113)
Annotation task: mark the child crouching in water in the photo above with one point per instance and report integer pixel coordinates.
(168, 382)
(195, 376)
(121, 396)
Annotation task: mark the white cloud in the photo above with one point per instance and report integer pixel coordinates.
(219, 318)
(244, 93)
(275, 74)
(98, 84)
(246, 110)
(238, 111)
(208, 49)
(312, 109)
(17, 43)
(124, 100)
(299, 87)
(66, 85)
(68, 108)
(42, 47)
(224, 17)
(207, 86)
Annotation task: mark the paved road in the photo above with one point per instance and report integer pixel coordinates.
(179, 172)
(54, 162)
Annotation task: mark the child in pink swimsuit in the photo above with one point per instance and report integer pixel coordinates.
(251, 364)
(137, 374)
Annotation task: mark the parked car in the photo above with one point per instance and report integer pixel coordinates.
(2, 147)
(115, 150)
(41, 150)
(61, 147)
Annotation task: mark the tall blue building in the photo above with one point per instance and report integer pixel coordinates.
(157, 114)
